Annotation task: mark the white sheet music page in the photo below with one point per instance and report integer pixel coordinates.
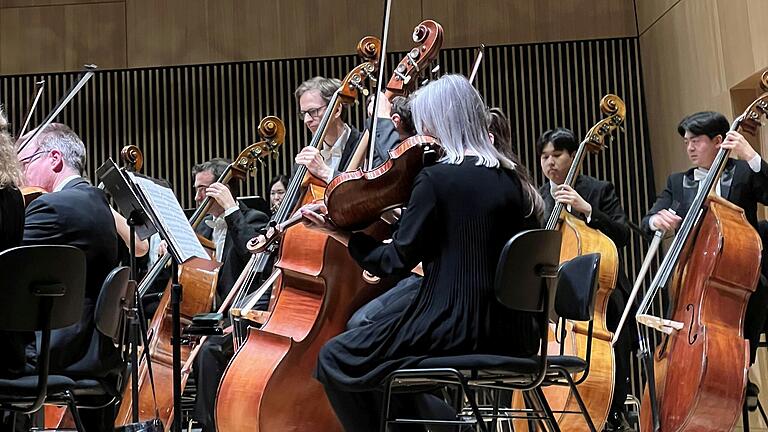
(181, 235)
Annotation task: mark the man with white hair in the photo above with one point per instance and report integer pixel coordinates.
(72, 213)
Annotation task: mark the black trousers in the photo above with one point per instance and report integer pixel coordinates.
(622, 351)
(210, 363)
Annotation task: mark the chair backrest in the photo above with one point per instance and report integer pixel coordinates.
(576, 287)
(31, 276)
(527, 270)
(116, 294)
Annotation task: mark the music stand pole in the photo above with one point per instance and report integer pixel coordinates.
(176, 291)
(135, 218)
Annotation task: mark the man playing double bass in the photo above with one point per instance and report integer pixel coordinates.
(744, 182)
(596, 202)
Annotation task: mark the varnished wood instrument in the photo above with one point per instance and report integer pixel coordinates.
(699, 371)
(268, 385)
(199, 279)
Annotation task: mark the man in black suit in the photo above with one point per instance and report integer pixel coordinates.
(230, 226)
(744, 182)
(595, 202)
(77, 214)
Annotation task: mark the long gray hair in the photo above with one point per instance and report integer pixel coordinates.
(451, 110)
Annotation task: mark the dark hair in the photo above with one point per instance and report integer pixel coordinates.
(280, 178)
(498, 125)
(216, 166)
(402, 107)
(561, 139)
(707, 123)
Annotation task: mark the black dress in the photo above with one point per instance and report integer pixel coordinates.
(13, 360)
(456, 223)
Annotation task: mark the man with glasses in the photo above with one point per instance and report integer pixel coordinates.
(313, 97)
(73, 213)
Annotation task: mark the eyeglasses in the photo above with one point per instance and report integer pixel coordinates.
(313, 112)
(24, 162)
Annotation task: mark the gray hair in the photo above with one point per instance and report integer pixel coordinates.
(216, 166)
(452, 111)
(325, 86)
(58, 136)
(10, 173)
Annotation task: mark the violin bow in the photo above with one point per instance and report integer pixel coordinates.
(476, 66)
(87, 75)
(39, 87)
(379, 84)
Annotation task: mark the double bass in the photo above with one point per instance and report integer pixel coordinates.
(199, 279)
(698, 376)
(316, 291)
(596, 387)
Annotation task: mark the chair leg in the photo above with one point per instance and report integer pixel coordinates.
(470, 393)
(75, 413)
(385, 408)
(587, 418)
(745, 417)
(542, 400)
(536, 409)
(762, 412)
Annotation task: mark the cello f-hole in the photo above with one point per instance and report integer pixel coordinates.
(691, 339)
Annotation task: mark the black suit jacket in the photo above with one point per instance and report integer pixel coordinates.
(738, 184)
(242, 226)
(78, 215)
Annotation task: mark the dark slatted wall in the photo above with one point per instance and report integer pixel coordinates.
(180, 116)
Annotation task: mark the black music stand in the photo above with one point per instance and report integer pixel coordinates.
(127, 200)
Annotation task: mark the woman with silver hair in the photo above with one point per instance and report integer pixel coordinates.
(461, 212)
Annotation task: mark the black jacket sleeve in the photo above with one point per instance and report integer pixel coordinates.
(663, 201)
(410, 242)
(242, 226)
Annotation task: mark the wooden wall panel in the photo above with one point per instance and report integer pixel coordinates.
(149, 33)
(56, 38)
(32, 3)
(649, 11)
(201, 31)
(470, 23)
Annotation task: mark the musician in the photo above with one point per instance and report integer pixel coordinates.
(230, 225)
(277, 188)
(744, 182)
(595, 202)
(341, 139)
(77, 214)
(472, 199)
(13, 360)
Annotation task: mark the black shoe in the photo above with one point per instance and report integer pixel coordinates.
(751, 400)
(617, 422)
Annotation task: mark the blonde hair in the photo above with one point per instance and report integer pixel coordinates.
(10, 172)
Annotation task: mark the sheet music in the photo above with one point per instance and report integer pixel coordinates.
(181, 236)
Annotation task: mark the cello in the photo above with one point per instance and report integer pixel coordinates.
(698, 376)
(268, 384)
(199, 279)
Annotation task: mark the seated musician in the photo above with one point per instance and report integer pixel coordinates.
(13, 359)
(471, 199)
(73, 213)
(744, 182)
(230, 225)
(277, 188)
(596, 202)
(341, 139)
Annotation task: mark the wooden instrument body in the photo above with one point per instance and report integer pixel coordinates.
(701, 370)
(198, 278)
(597, 389)
(357, 198)
(269, 384)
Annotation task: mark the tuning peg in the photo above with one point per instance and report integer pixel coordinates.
(365, 92)
(435, 69)
(423, 83)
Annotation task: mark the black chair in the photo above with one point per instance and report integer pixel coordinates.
(524, 283)
(101, 387)
(575, 301)
(41, 289)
